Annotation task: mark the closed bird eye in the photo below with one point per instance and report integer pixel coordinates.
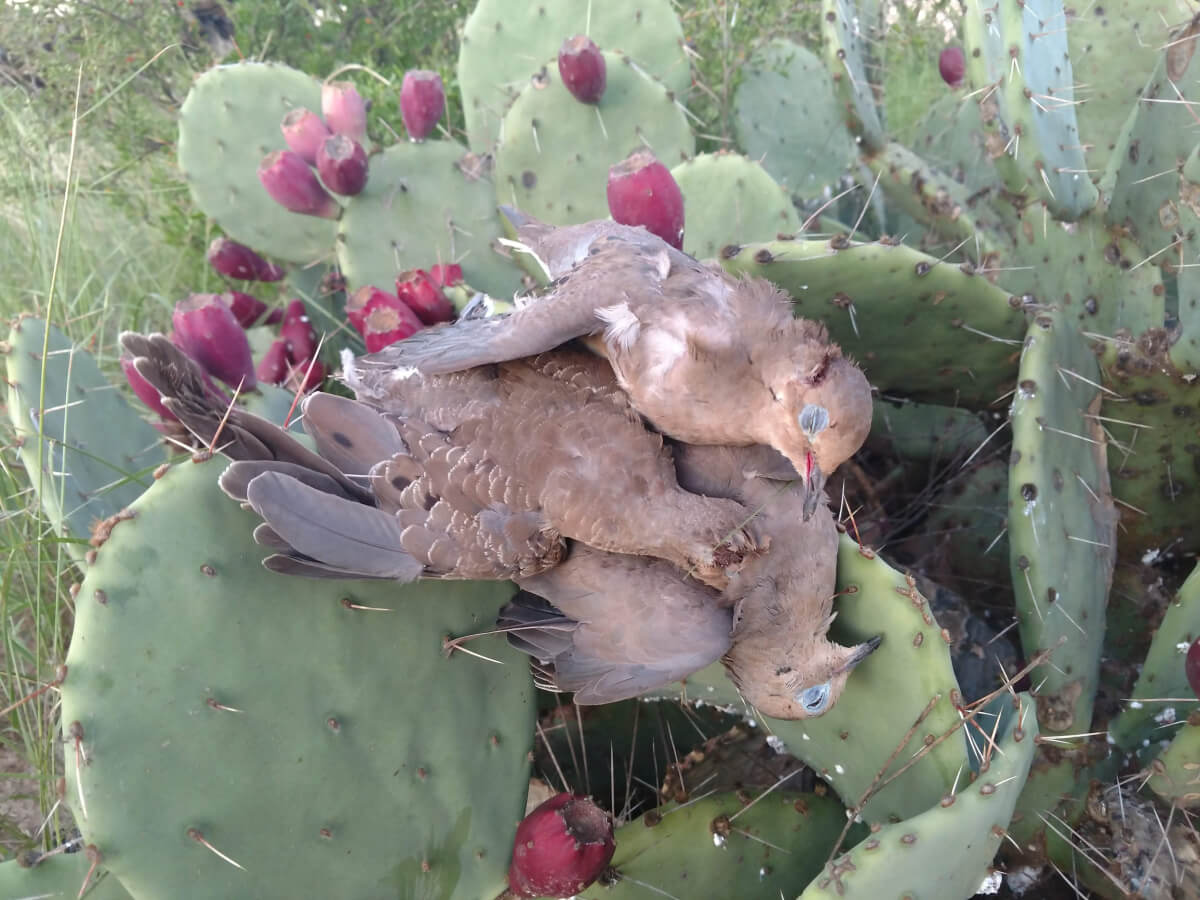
(814, 699)
(813, 418)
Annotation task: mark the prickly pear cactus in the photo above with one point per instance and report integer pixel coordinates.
(504, 43)
(424, 204)
(729, 198)
(553, 153)
(87, 451)
(730, 845)
(64, 875)
(228, 123)
(230, 732)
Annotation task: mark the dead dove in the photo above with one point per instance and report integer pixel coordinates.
(705, 357)
(610, 627)
(485, 482)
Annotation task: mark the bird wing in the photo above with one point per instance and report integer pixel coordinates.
(615, 272)
(616, 626)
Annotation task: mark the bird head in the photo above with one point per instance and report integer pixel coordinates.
(808, 687)
(828, 415)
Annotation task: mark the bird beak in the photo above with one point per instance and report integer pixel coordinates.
(862, 651)
(815, 484)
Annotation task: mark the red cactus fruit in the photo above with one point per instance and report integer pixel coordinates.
(273, 367)
(581, 65)
(344, 109)
(446, 275)
(312, 372)
(342, 165)
(297, 332)
(206, 330)
(560, 848)
(952, 64)
(422, 102)
(642, 191)
(292, 184)
(1191, 666)
(424, 296)
(304, 132)
(234, 260)
(145, 391)
(381, 318)
(246, 308)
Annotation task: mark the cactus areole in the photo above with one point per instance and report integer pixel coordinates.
(560, 848)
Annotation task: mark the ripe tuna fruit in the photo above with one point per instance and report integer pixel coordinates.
(273, 367)
(422, 293)
(342, 165)
(304, 132)
(206, 330)
(560, 848)
(581, 65)
(422, 102)
(234, 260)
(952, 64)
(246, 308)
(381, 318)
(292, 184)
(344, 110)
(642, 191)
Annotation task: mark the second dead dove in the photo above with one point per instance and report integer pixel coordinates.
(705, 357)
(532, 458)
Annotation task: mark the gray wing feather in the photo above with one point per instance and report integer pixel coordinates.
(335, 532)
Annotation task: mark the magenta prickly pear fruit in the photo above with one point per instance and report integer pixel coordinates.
(581, 65)
(1191, 666)
(206, 330)
(273, 367)
(145, 391)
(344, 109)
(952, 64)
(342, 165)
(381, 318)
(422, 102)
(561, 847)
(423, 295)
(292, 184)
(234, 260)
(297, 332)
(641, 191)
(304, 132)
(246, 308)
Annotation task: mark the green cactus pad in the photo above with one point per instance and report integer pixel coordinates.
(97, 455)
(554, 152)
(330, 751)
(967, 521)
(1061, 523)
(730, 199)
(424, 204)
(848, 30)
(59, 877)
(924, 431)
(936, 200)
(1162, 685)
(1153, 461)
(504, 43)
(1020, 68)
(720, 847)
(785, 115)
(1109, 43)
(886, 694)
(1176, 775)
(228, 123)
(929, 330)
(945, 851)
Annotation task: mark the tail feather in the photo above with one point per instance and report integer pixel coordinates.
(536, 627)
(332, 530)
(350, 434)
